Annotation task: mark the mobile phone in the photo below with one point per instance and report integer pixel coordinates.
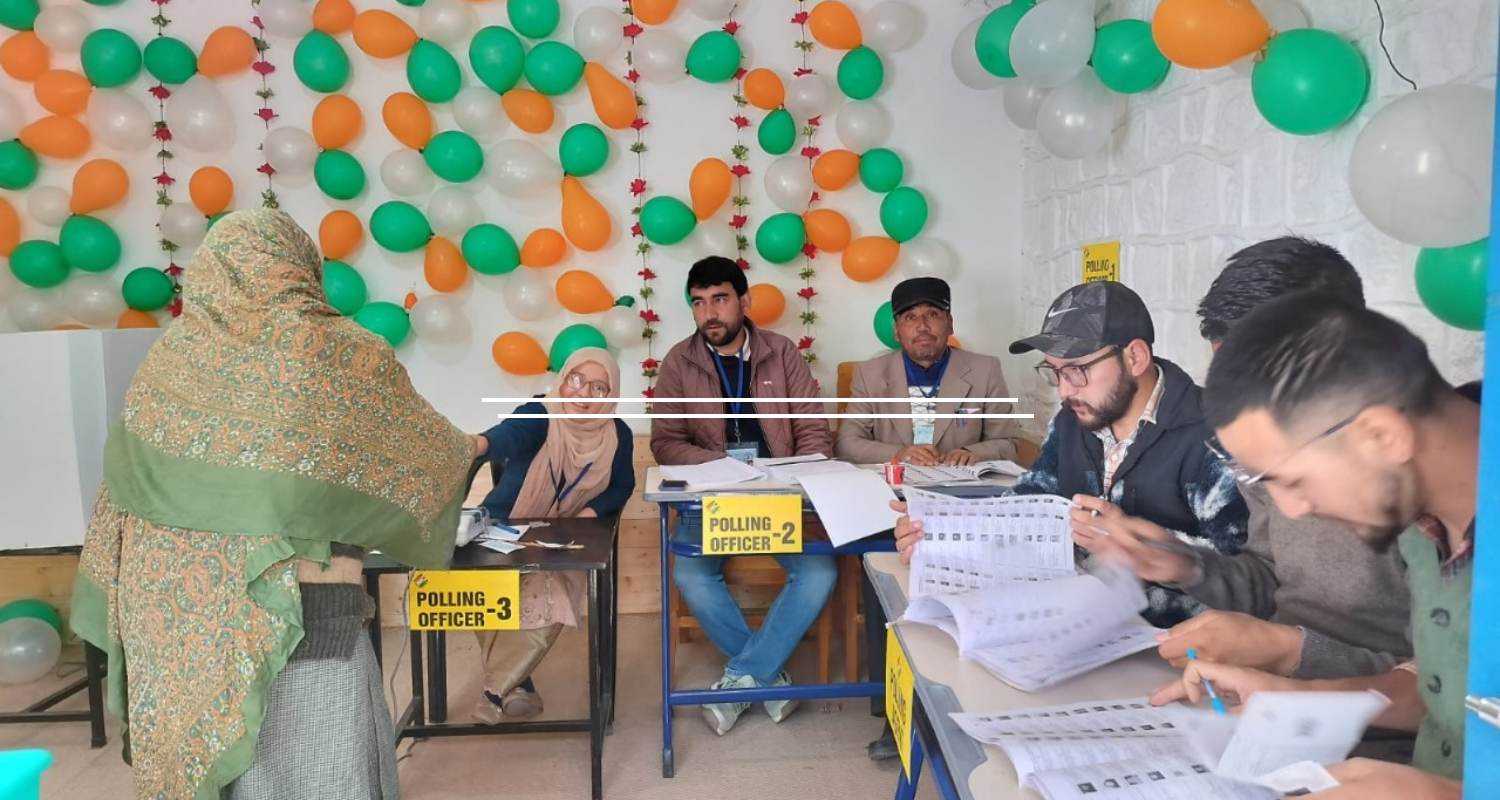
(668, 485)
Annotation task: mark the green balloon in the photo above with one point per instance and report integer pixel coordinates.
(992, 40)
(885, 326)
(147, 289)
(1310, 81)
(714, 57)
(1451, 282)
(491, 250)
(339, 175)
(583, 150)
(667, 220)
(553, 68)
(534, 19)
(89, 244)
(454, 156)
(386, 320)
(38, 263)
(433, 72)
(17, 165)
(214, 220)
(320, 62)
(411, 3)
(103, 2)
(398, 226)
(780, 237)
(880, 170)
(18, 15)
(498, 57)
(344, 288)
(861, 73)
(110, 58)
(170, 60)
(33, 608)
(903, 213)
(777, 133)
(1126, 58)
(573, 338)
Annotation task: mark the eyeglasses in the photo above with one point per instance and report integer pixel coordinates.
(576, 383)
(1243, 477)
(1077, 375)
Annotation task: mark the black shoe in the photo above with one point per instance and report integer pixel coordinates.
(884, 748)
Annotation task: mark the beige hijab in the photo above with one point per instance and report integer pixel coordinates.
(576, 450)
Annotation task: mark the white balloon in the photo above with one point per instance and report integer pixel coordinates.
(36, 309)
(29, 649)
(93, 300)
(863, 124)
(891, 26)
(925, 256)
(621, 327)
(519, 168)
(440, 319)
(183, 224)
(477, 110)
(452, 211)
(117, 119)
(447, 22)
(1283, 15)
(62, 28)
(405, 173)
(528, 295)
(200, 117)
(713, 10)
(291, 151)
(714, 238)
(966, 61)
(1053, 41)
(789, 183)
(1022, 101)
(659, 55)
(1420, 169)
(809, 96)
(1079, 117)
(289, 19)
(598, 33)
(48, 205)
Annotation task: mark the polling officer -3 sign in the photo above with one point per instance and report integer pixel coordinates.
(737, 524)
(464, 600)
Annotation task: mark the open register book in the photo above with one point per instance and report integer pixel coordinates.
(968, 473)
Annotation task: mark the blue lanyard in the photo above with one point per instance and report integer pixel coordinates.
(739, 385)
(564, 491)
(914, 380)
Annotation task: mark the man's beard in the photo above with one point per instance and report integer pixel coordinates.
(1380, 537)
(718, 337)
(1115, 404)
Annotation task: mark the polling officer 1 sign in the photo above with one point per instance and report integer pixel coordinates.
(1101, 262)
(736, 524)
(464, 600)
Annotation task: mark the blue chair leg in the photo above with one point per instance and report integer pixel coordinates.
(667, 765)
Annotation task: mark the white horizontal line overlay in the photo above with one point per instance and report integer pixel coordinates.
(649, 400)
(631, 415)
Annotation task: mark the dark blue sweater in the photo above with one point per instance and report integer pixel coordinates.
(516, 441)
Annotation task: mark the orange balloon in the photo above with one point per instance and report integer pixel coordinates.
(764, 89)
(10, 227)
(100, 183)
(869, 257)
(226, 51)
(24, 56)
(1206, 34)
(584, 220)
(333, 17)
(767, 304)
(58, 137)
(519, 354)
(653, 12)
(131, 318)
(444, 266)
(953, 342)
(63, 91)
(408, 119)
(211, 189)
(382, 34)
(340, 234)
(543, 248)
(827, 229)
(336, 121)
(834, 25)
(581, 292)
(709, 186)
(530, 111)
(614, 102)
(834, 169)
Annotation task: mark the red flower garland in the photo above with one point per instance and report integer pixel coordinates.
(263, 67)
(740, 154)
(647, 292)
(809, 151)
(164, 180)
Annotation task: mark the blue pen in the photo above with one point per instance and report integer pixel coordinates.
(1213, 696)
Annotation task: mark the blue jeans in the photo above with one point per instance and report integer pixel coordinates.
(761, 653)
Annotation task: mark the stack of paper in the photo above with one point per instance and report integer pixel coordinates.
(951, 474)
(713, 474)
(851, 504)
(796, 471)
(502, 538)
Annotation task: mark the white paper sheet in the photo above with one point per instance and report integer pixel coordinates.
(851, 505)
(976, 543)
(712, 474)
(795, 472)
(776, 462)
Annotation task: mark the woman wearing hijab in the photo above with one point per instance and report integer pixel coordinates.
(560, 466)
(266, 441)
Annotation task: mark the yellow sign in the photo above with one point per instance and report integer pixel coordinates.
(898, 697)
(464, 600)
(736, 524)
(1101, 262)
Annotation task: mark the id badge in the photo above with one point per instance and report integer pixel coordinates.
(742, 451)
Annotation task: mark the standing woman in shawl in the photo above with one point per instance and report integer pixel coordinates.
(552, 467)
(266, 441)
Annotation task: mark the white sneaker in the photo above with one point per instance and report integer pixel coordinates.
(779, 710)
(722, 716)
